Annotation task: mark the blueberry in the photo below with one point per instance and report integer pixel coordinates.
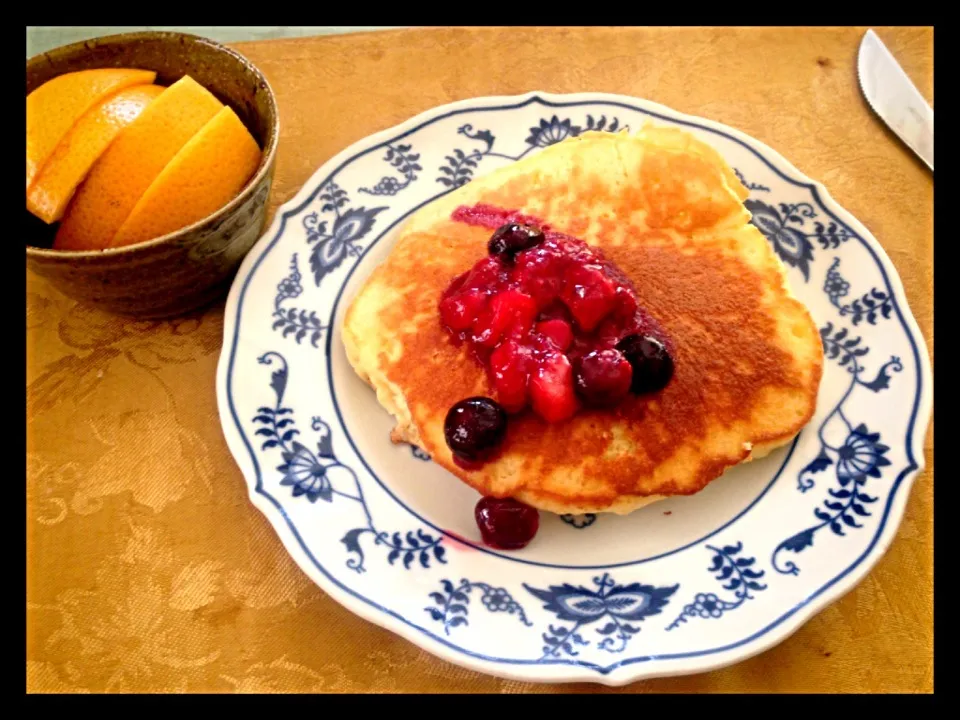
(652, 364)
(512, 238)
(474, 427)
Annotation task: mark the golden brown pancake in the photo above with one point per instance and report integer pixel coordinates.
(668, 211)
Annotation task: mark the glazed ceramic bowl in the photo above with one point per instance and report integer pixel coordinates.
(193, 266)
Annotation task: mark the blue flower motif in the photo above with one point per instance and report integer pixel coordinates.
(331, 250)
(861, 455)
(388, 185)
(618, 604)
(290, 320)
(405, 162)
(308, 476)
(707, 605)
(453, 604)
(552, 131)
(497, 600)
(624, 602)
(349, 226)
(289, 288)
(835, 286)
(737, 573)
(790, 244)
(870, 306)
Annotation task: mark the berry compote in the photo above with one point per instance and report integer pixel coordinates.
(555, 323)
(558, 327)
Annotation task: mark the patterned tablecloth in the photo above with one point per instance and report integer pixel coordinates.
(148, 569)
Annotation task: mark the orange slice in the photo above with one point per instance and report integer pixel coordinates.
(134, 159)
(80, 148)
(55, 106)
(205, 175)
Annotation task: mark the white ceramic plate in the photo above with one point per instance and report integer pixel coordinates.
(682, 586)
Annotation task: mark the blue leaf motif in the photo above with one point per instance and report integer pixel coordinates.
(325, 442)
(307, 475)
(819, 463)
(799, 542)
(278, 381)
(352, 540)
(737, 576)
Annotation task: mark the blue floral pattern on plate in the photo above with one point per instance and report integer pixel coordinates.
(383, 532)
(619, 606)
(451, 605)
(738, 573)
(309, 475)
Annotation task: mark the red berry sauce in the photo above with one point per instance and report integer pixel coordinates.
(557, 326)
(544, 319)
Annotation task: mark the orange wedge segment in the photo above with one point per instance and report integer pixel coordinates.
(131, 163)
(55, 106)
(80, 148)
(208, 171)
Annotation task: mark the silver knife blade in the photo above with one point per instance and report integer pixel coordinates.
(894, 98)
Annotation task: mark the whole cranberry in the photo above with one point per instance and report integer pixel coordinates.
(506, 524)
(475, 427)
(603, 377)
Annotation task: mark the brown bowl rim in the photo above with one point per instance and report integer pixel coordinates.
(269, 152)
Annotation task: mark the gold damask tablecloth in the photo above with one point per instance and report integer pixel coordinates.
(149, 570)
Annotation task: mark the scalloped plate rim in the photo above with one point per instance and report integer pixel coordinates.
(764, 639)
